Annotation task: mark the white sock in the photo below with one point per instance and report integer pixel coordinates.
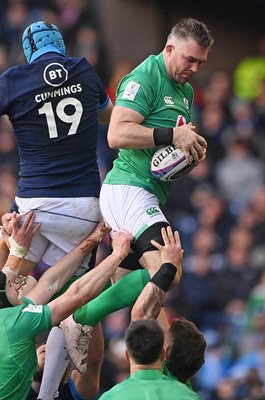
(56, 362)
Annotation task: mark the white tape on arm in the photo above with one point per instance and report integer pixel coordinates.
(15, 249)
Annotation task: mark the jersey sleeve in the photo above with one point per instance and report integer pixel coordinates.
(103, 96)
(31, 320)
(135, 91)
(3, 94)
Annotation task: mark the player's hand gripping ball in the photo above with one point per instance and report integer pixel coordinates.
(169, 164)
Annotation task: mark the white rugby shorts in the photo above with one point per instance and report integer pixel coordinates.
(64, 222)
(129, 207)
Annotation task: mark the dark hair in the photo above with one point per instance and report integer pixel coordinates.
(4, 302)
(190, 27)
(185, 354)
(144, 340)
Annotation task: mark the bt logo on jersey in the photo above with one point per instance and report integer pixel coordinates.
(55, 74)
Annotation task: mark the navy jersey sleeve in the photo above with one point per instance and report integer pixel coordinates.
(3, 94)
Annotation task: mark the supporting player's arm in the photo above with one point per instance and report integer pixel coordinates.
(57, 275)
(90, 284)
(19, 242)
(150, 301)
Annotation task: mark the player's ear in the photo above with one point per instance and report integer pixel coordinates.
(127, 357)
(169, 48)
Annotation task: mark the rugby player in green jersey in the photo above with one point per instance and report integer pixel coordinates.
(153, 108)
(24, 311)
(145, 352)
(160, 372)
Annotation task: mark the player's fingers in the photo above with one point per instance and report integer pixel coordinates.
(14, 221)
(164, 236)
(194, 155)
(157, 245)
(35, 229)
(191, 126)
(28, 221)
(170, 234)
(177, 238)
(201, 141)
(187, 154)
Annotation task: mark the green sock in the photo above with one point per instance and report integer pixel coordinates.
(122, 294)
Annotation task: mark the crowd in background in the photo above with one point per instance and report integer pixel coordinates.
(219, 208)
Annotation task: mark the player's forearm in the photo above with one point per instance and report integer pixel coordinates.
(149, 303)
(94, 281)
(12, 265)
(56, 276)
(130, 135)
(4, 251)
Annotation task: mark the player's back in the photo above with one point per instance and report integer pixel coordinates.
(53, 106)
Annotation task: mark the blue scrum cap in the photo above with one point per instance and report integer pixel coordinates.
(42, 37)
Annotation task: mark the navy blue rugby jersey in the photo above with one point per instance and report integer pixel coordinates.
(53, 106)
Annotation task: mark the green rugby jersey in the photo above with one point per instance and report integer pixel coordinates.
(163, 103)
(18, 328)
(150, 384)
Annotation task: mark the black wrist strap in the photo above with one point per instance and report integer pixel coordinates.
(164, 276)
(163, 136)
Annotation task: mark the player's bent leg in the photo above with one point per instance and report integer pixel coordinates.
(56, 362)
(129, 264)
(87, 384)
(148, 255)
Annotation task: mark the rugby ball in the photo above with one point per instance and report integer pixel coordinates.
(169, 164)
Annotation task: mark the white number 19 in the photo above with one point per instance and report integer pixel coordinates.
(72, 119)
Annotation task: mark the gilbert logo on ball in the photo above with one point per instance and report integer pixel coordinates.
(169, 164)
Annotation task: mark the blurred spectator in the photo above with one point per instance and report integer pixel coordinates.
(121, 69)
(239, 174)
(256, 299)
(212, 125)
(216, 366)
(198, 292)
(249, 72)
(12, 26)
(87, 44)
(8, 186)
(218, 90)
(8, 145)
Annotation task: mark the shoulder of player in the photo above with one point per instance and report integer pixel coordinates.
(147, 75)
(150, 66)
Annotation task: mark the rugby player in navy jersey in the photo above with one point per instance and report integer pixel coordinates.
(54, 104)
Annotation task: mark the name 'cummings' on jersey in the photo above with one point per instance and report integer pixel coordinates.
(53, 106)
(59, 92)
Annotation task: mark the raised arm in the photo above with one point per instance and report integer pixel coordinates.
(56, 277)
(18, 242)
(150, 301)
(90, 284)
